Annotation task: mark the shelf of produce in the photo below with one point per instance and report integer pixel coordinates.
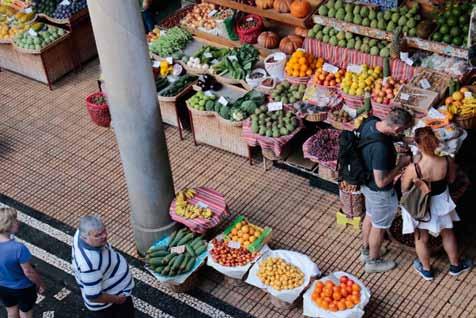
(270, 14)
(417, 43)
(47, 67)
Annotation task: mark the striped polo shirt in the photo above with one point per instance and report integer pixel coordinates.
(100, 270)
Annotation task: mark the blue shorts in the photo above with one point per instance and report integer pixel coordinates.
(24, 298)
(381, 206)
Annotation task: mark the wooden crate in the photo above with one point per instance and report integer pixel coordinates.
(206, 127)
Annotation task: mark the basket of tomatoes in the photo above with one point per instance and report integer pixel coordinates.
(338, 295)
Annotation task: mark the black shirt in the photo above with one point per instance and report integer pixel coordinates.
(379, 155)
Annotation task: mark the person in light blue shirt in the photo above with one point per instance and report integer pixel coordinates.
(19, 282)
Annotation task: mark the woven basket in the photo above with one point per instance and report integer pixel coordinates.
(28, 51)
(297, 80)
(317, 117)
(354, 102)
(99, 113)
(353, 203)
(174, 20)
(197, 112)
(466, 122)
(327, 173)
(230, 123)
(250, 36)
(380, 110)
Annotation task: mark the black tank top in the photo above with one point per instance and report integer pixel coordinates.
(438, 187)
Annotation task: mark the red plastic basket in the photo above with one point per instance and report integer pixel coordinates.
(249, 36)
(99, 113)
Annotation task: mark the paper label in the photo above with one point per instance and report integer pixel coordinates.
(354, 68)
(220, 237)
(172, 78)
(329, 68)
(250, 19)
(275, 106)
(178, 249)
(32, 32)
(222, 100)
(209, 94)
(214, 61)
(404, 96)
(233, 244)
(207, 55)
(65, 3)
(169, 60)
(202, 205)
(156, 64)
(301, 50)
(212, 13)
(28, 10)
(385, 80)
(468, 94)
(232, 58)
(403, 55)
(425, 84)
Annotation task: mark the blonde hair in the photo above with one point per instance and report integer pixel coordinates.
(8, 217)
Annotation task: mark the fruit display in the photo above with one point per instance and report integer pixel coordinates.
(178, 256)
(173, 41)
(38, 37)
(307, 108)
(350, 40)
(66, 9)
(288, 93)
(244, 233)
(184, 208)
(179, 85)
(334, 297)
(280, 275)
(13, 22)
(324, 145)
(200, 17)
(324, 78)
(273, 124)
(461, 103)
(45, 6)
(340, 116)
(357, 84)
(384, 91)
(203, 102)
(403, 17)
(453, 24)
(225, 255)
(238, 62)
(153, 35)
(205, 57)
(301, 64)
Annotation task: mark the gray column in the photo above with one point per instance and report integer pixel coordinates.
(136, 119)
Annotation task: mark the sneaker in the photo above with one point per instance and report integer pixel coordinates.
(418, 266)
(379, 265)
(364, 253)
(464, 266)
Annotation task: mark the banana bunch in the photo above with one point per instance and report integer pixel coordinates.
(469, 107)
(187, 210)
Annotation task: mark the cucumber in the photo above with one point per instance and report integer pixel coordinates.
(157, 254)
(200, 250)
(179, 236)
(168, 258)
(197, 244)
(190, 264)
(156, 261)
(156, 249)
(196, 240)
(165, 271)
(185, 239)
(158, 269)
(184, 263)
(172, 236)
(177, 261)
(190, 250)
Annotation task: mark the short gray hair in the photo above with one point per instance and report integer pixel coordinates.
(89, 223)
(8, 216)
(399, 117)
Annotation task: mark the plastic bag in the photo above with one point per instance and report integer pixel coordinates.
(303, 262)
(311, 310)
(230, 27)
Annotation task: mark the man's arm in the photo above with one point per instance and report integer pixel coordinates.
(32, 275)
(384, 178)
(109, 299)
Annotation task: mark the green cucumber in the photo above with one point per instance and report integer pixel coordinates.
(200, 250)
(195, 240)
(167, 259)
(185, 239)
(190, 264)
(179, 236)
(177, 261)
(157, 254)
(190, 250)
(172, 236)
(197, 244)
(158, 269)
(165, 271)
(156, 249)
(156, 261)
(184, 263)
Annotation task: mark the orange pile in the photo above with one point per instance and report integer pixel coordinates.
(300, 64)
(245, 233)
(328, 296)
(324, 78)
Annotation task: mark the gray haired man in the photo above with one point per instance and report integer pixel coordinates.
(380, 197)
(102, 273)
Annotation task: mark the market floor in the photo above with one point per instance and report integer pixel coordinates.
(54, 160)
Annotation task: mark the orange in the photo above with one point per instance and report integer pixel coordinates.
(341, 305)
(309, 72)
(337, 295)
(319, 285)
(303, 68)
(356, 287)
(302, 60)
(332, 307)
(325, 305)
(355, 300)
(349, 304)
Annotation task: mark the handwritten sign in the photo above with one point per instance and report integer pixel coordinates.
(354, 68)
(209, 94)
(329, 68)
(234, 245)
(178, 249)
(404, 96)
(232, 58)
(275, 106)
(207, 55)
(202, 205)
(156, 64)
(385, 80)
(169, 60)
(212, 13)
(425, 84)
(28, 10)
(222, 100)
(468, 94)
(32, 32)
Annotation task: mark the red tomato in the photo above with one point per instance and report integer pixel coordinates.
(343, 279)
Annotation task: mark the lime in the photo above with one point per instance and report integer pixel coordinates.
(457, 41)
(452, 21)
(447, 38)
(444, 29)
(454, 31)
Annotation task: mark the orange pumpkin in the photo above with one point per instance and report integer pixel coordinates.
(282, 6)
(290, 43)
(300, 8)
(301, 32)
(268, 40)
(264, 4)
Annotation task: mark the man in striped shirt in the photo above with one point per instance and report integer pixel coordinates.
(102, 273)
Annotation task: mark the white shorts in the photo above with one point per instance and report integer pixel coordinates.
(381, 206)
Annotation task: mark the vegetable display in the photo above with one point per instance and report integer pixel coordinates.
(238, 63)
(325, 145)
(329, 296)
(166, 262)
(288, 93)
(225, 255)
(280, 275)
(40, 36)
(179, 85)
(200, 17)
(207, 82)
(173, 41)
(453, 24)
(188, 210)
(273, 124)
(65, 10)
(203, 102)
(161, 83)
(45, 6)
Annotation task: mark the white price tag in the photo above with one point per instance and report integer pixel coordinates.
(250, 19)
(32, 32)
(65, 3)
(172, 78)
(425, 84)
(202, 205)
(214, 61)
(275, 106)
(178, 249)
(212, 13)
(220, 237)
(162, 32)
(468, 94)
(169, 60)
(222, 100)
(385, 80)
(209, 94)
(404, 96)
(28, 10)
(404, 55)
(207, 55)
(156, 64)
(234, 245)
(301, 50)
(232, 58)
(329, 68)
(354, 68)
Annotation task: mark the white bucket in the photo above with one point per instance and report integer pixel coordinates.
(276, 69)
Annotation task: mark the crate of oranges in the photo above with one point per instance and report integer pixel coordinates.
(322, 77)
(250, 236)
(300, 67)
(337, 295)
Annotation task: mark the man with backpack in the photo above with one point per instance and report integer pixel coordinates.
(368, 158)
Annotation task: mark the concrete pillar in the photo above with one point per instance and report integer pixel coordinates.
(132, 97)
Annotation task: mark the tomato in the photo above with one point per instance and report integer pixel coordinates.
(349, 304)
(324, 304)
(332, 307)
(328, 299)
(356, 287)
(337, 295)
(341, 305)
(343, 279)
(329, 284)
(349, 283)
(355, 293)
(344, 292)
(319, 285)
(326, 291)
(355, 300)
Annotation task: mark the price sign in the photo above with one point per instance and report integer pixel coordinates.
(28, 10)
(207, 55)
(233, 244)
(385, 80)
(202, 205)
(354, 68)
(468, 94)
(275, 106)
(156, 64)
(214, 61)
(425, 84)
(178, 249)
(172, 78)
(301, 50)
(212, 13)
(32, 32)
(220, 237)
(329, 68)
(232, 58)
(250, 19)
(405, 58)
(405, 96)
(222, 100)
(169, 60)
(209, 94)
(65, 3)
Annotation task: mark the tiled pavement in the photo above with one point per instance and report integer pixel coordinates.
(54, 160)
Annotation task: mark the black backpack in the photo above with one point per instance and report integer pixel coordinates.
(350, 164)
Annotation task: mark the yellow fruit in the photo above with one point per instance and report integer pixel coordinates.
(458, 96)
(245, 229)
